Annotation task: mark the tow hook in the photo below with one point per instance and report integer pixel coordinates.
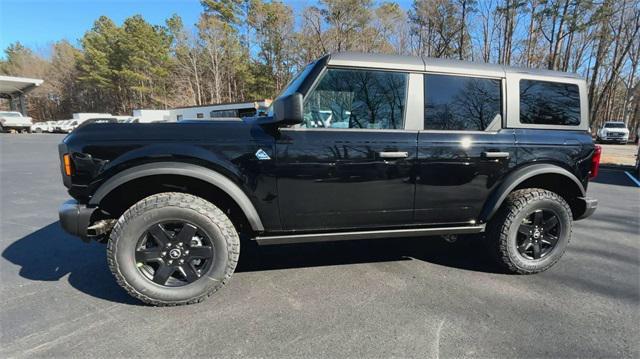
(100, 227)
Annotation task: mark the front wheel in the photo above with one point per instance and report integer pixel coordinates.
(173, 249)
(531, 231)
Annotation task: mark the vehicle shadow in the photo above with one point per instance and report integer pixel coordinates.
(467, 253)
(49, 254)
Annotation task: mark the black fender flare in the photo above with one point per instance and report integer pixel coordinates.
(493, 203)
(182, 169)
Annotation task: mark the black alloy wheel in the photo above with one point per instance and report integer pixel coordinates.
(531, 231)
(173, 248)
(538, 234)
(174, 253)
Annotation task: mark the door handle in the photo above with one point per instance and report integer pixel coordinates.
(490, 154)
(393, 154)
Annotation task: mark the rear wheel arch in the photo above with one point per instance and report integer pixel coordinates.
(544, 176)
(129, 186)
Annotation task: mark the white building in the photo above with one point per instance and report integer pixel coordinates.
(206, 112)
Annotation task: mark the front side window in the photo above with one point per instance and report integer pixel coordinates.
(346, 98)
(461, 103)
(549, 103)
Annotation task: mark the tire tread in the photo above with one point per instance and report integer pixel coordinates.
(499, 227)
(182, 200)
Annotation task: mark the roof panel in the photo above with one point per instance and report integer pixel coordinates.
(416, 63)
(379, 61)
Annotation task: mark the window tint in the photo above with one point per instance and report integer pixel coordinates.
(199, 115)
(357, 99)
(549, 103)
(179, 117)
(461, 103)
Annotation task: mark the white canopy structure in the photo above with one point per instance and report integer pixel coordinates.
(15, 88)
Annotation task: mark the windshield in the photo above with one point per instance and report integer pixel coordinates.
(10, 114)
(293, 85)
(615, 125)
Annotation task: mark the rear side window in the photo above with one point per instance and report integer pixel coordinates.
(350, 98)
(461, 103)
(549, 103)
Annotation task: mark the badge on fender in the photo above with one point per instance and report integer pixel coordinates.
(262, 156)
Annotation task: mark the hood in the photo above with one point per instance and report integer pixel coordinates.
(160, 132)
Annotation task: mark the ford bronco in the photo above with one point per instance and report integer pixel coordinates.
(357, 146)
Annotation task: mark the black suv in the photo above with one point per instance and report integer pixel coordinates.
(357, 146)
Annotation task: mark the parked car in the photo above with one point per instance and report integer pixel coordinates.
(414, 147)
(44, 126)
(60, 126)
(613, 131)
(68, 126)
(14, 121)
(99, 120)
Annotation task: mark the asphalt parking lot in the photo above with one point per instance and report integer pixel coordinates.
(407, 298)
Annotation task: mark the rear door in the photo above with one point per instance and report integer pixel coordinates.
(350, 164)
(463, 152)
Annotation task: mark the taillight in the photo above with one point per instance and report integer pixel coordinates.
(595, 162)
(66, 159)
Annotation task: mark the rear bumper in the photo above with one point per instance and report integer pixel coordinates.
(590, 206)
(75, 218)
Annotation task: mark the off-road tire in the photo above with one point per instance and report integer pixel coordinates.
(503, 228)
(130, 226)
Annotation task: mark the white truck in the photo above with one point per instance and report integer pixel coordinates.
(613, 131)
(14, 121)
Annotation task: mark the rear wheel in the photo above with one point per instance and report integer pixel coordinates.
(531, 231)
(173, 249)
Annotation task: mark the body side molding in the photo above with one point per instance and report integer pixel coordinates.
(182, 169)
(373, 234)
(515, 178)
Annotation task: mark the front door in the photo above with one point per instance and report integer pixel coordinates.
(350, 164)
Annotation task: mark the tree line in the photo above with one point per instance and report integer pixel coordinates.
(243, 50)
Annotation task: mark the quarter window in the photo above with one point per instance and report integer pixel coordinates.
(549, 103)
(461, 103)
(357, 99)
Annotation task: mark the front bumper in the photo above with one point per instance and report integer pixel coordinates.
(590, 206)
(615, 138)
(75, 218)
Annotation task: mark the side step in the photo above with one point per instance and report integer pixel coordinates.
(387, 233)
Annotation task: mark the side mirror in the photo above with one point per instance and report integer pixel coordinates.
(287, 110)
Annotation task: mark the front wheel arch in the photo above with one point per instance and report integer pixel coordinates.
(169, 176)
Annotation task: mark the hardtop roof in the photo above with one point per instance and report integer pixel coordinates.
(428, 64)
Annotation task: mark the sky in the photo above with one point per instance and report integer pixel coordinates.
(38, 23)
